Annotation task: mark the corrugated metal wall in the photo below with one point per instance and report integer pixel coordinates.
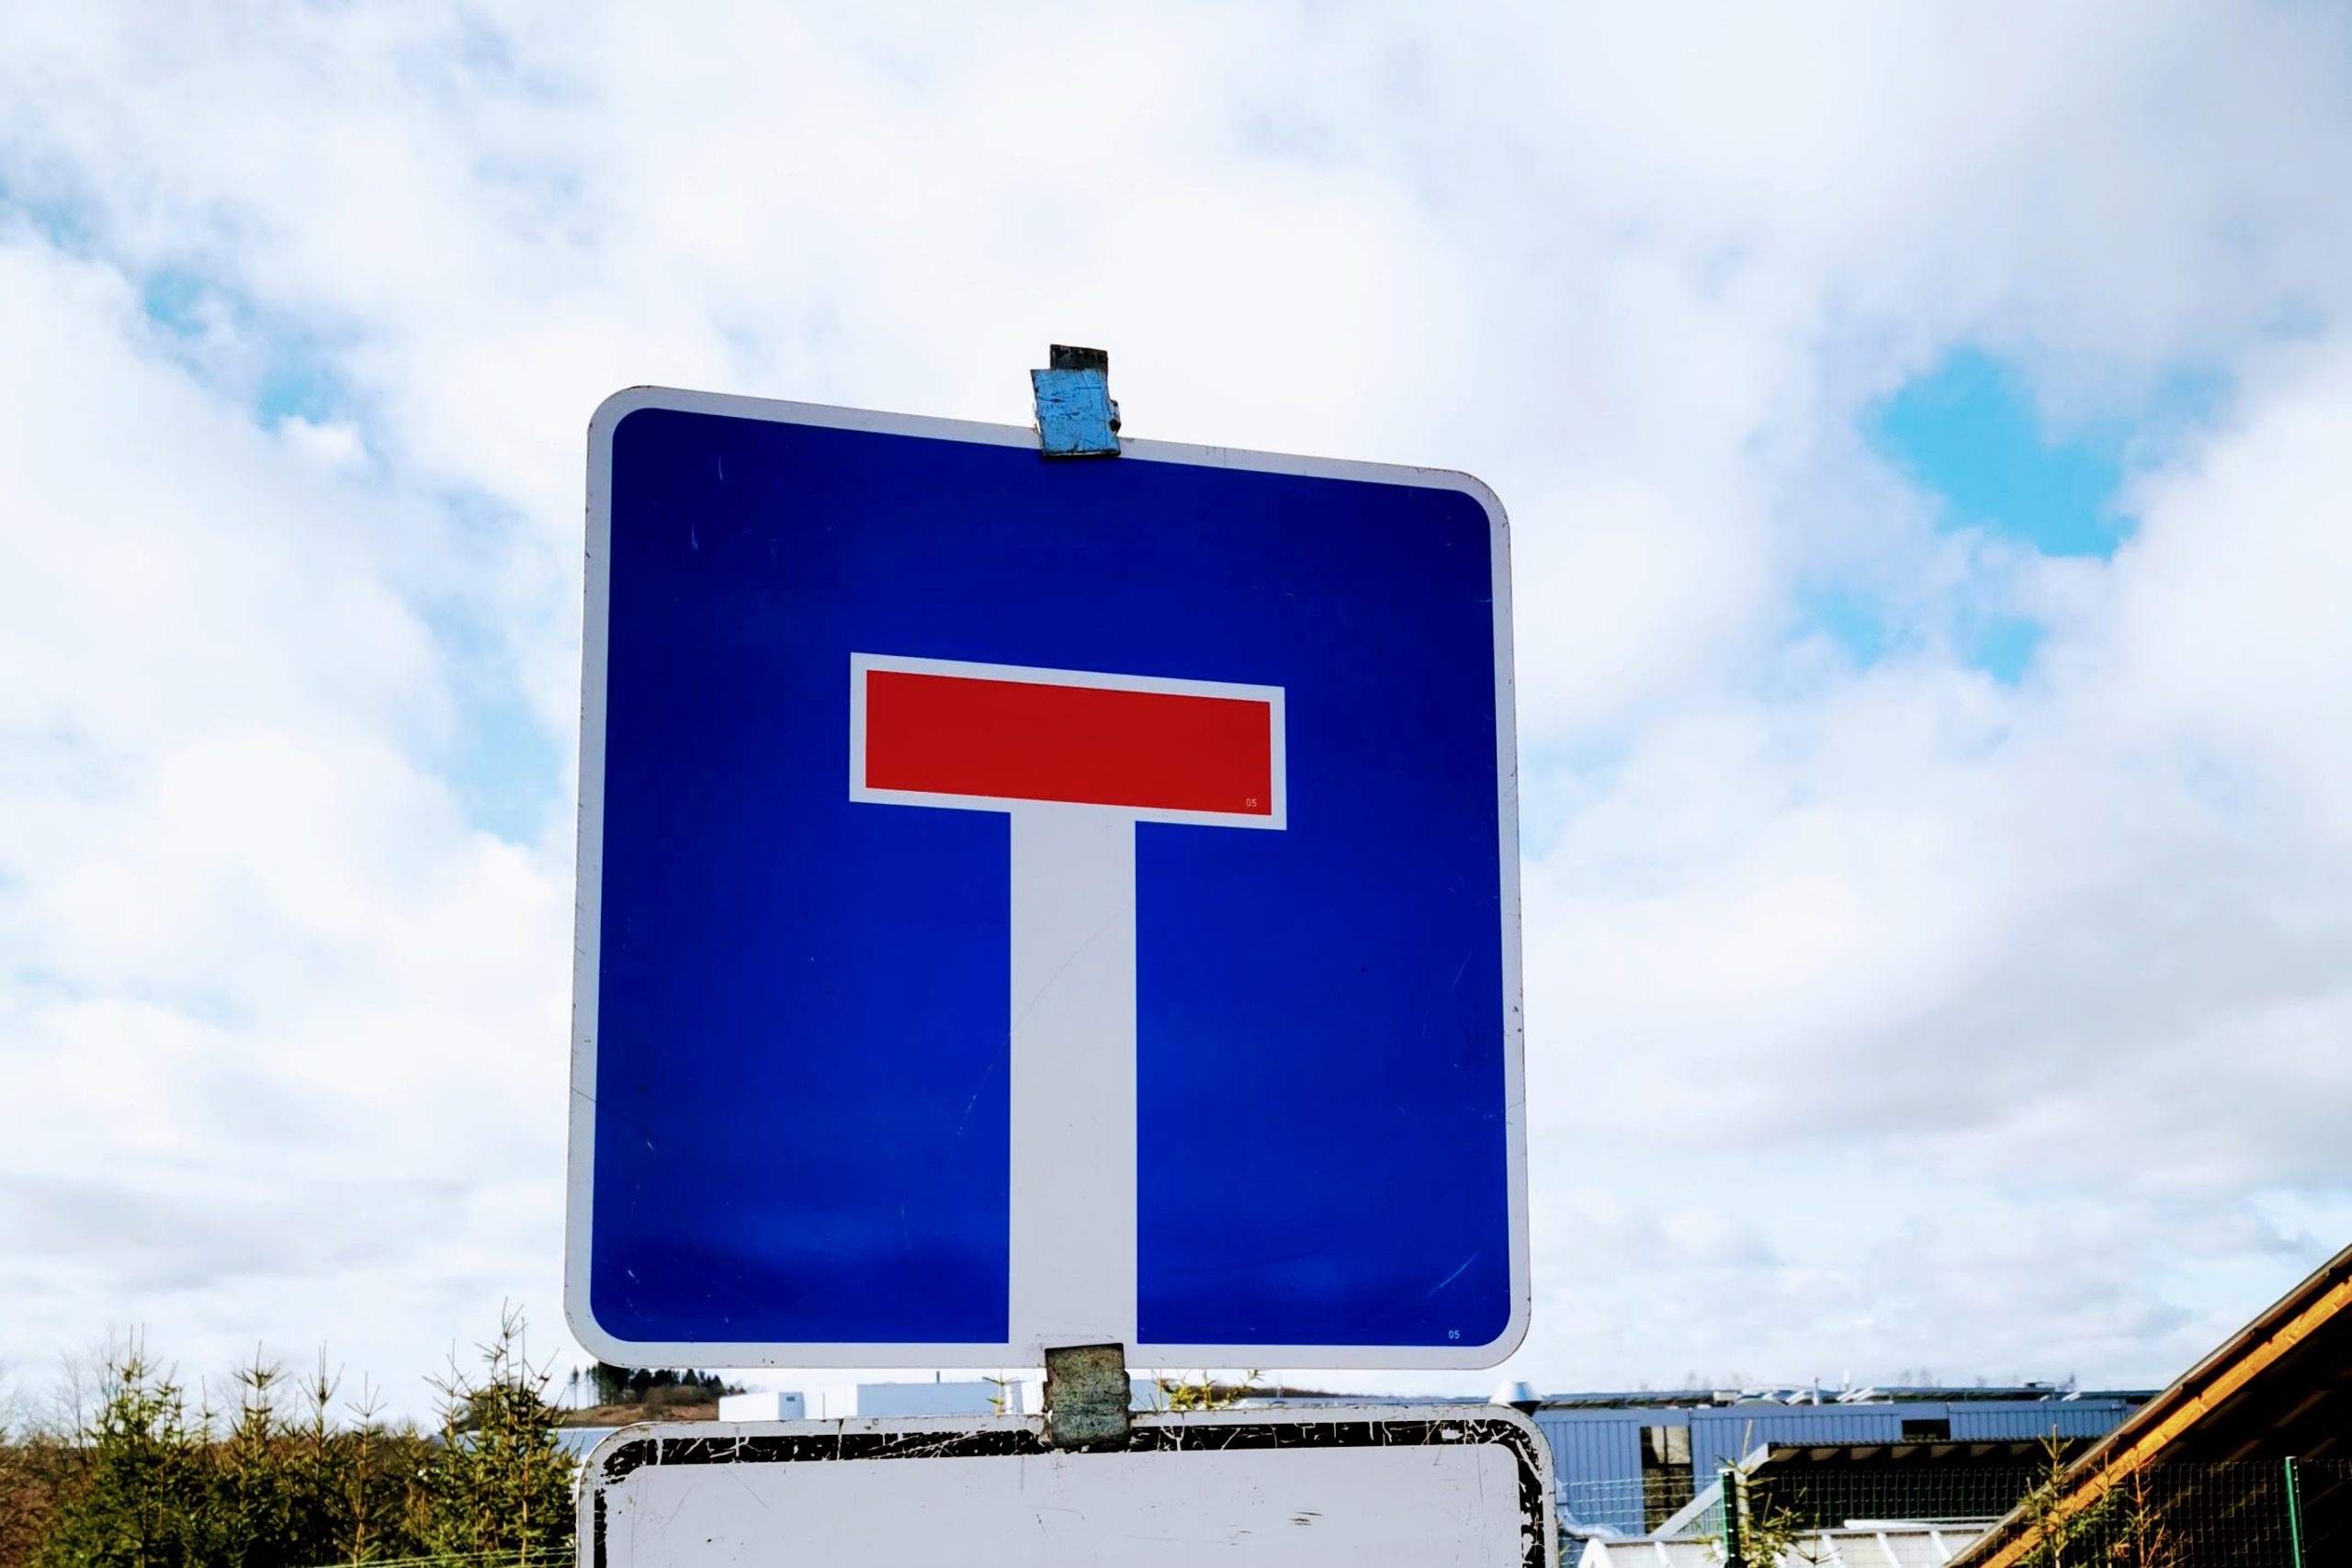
(1597, 1461)
(1597, 1453)
(2034, 1418)
(1725, 1435)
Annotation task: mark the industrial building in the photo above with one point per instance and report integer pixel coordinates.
(1627, 1463)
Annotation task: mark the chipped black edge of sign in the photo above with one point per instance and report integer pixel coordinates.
(1007, 1442)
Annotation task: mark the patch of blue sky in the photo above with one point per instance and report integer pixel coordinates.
(1868, 629)
(277, 367)
(2001, 646)
(1968, 432)
(297, 386)
(281, 368)
(1871, 631)
(180, 302)
(1854, 621)
(507, 770)
(60, 223)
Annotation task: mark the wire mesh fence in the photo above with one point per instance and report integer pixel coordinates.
(1628, 1506)
(1676, 1507)
(2284, 1513)
(2251, 1514)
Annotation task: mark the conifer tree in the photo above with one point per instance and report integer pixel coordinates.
(500, 1483)
(141, 1499)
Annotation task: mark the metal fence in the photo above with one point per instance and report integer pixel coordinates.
(1637, 1505)
(2285, 1513)
(2254, 1513)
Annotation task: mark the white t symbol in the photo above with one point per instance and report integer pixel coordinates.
(1077, 759)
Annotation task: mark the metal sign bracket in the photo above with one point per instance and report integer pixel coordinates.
(1076, 414)
(1086, 1395)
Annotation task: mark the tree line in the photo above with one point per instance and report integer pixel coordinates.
(657, 1385)
(147, 1478)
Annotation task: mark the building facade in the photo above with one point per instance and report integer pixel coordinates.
(1625, 1462)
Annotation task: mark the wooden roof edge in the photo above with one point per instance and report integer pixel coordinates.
(2147, 1431)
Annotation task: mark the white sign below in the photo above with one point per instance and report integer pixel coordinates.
(1412, 1487)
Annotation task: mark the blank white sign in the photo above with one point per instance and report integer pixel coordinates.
(1454, 1502)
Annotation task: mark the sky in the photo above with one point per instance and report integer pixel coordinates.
(1924, 433)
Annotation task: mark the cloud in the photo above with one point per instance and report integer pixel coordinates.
(1867, 994)
(2069, 953)
(259, 968)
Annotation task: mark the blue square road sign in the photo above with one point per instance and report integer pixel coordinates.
(1029, 903)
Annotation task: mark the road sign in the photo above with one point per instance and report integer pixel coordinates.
(1462, 1486)
(931, 1011)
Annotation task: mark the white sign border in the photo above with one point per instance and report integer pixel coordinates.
(588, 911)
(914, 1439)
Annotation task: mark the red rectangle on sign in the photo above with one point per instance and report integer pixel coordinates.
(1085, 745)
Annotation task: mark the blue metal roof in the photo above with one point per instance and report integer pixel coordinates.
(1597, 1439)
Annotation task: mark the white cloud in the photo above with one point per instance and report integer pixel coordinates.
(2078, 949)
(260, 1009)
(2022, 990)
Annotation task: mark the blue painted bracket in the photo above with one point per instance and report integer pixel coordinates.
(1076, 417)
